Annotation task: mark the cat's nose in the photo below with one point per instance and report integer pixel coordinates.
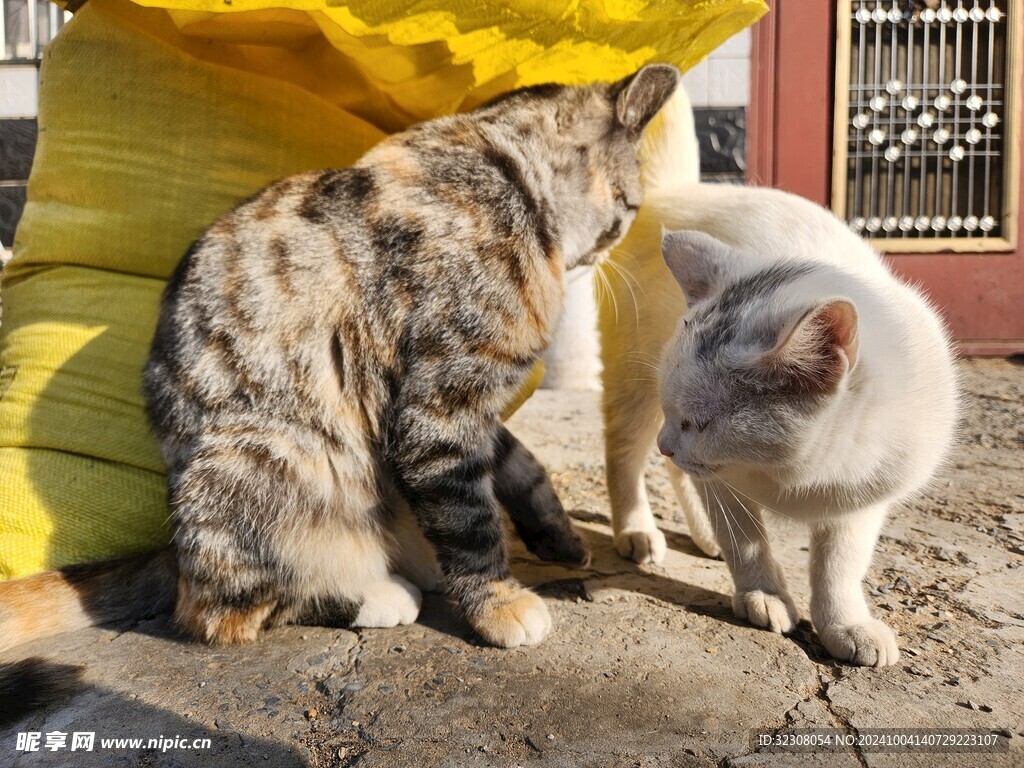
(665, 451)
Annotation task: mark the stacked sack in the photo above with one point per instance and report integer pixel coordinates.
(155, 121)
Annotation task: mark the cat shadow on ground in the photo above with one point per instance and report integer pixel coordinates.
(555, 581)
(93, 707)
(610, 570)
(76, 730)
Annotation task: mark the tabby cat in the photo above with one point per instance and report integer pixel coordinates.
(329, 369)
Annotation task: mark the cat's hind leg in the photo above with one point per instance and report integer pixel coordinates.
(841, 550)
(272, 524)
(223, 503)
(389, 603)
(701, 531)
(383, 604)
(213, 619)
(343, 560)
(344, 573)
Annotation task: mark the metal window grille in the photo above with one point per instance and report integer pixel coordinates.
(926, 125)
(26, 26)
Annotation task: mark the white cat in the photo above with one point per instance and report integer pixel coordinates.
(802, 379)
(572, 359)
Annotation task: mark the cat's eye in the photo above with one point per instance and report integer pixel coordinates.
(700, 426)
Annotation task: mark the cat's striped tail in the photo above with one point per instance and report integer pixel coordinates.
(73, 598)
(32, 683)
(84, 595)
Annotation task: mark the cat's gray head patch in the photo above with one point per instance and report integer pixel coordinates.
(755, 360)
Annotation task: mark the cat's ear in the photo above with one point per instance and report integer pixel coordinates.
(638, 97)
(819, 349)
(697, 260)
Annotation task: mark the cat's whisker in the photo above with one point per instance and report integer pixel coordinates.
(714, 522)
(751, 498)
(652, 361)
(751, 514)
(619, 251)
(649, 365)
(633, 286)
(628, 276)
(723, 509)
(730, 512)
(617, 270)
(609, 292)
(600, 292)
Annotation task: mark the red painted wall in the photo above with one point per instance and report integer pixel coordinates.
(790, 147)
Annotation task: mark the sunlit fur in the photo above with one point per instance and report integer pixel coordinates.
(803, 379)
(330, 366)
(640, 303)
(340, 348)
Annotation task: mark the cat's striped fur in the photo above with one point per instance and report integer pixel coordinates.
(333, 356)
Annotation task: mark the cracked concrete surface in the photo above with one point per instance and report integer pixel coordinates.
(646, 667)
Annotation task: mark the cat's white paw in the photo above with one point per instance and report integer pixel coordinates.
(869, 643)
(389, 603)
(773, 611)
(509, 619)
(641, 546)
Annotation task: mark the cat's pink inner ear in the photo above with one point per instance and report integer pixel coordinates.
(840, 320)
(821, 348)
(696, 260)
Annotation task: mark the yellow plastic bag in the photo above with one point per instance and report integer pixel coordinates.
(154, 122)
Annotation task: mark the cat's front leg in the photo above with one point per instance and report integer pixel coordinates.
(442, 467)
(701, 532)
(524, 489)
(760, 594)
(841, 550)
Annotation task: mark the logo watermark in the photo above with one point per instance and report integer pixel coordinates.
(943, 740)
(86, 741)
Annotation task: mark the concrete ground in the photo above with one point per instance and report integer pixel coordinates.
(646, 666)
